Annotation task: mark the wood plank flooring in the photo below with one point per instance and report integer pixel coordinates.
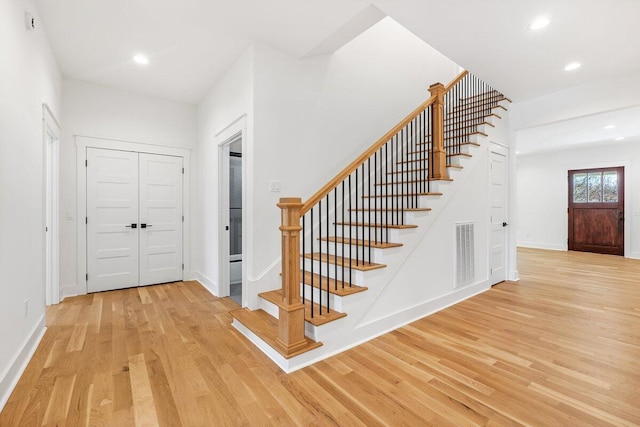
(561, 347)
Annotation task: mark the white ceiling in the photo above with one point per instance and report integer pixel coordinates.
(192, 42)
(584, 130)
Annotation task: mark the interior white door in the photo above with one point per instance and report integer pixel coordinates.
(112, 219)
(160, 219)
(498, 217)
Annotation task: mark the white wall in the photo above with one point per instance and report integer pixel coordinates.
(543, 193)
(314, 116)
(29, 77)
(306, 120)
(100, 111)
(227, 107)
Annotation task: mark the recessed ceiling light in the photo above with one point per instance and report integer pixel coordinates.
(572, 66)
(609, 127)
(539, 23)
(517, 152)
(620, 138)
(140, 59)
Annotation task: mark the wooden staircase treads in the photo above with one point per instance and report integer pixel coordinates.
(413, 181)
(471, 117)
(366, 243)
(359, 265)
(394, 226)
(461, 144)
(407, 171)
(265, 326)
(483, 101)
(423, 160)
(320, 319)
(483, 95)
(455, 125)
(474, 108)
(335, 286)
(429, 193)
(463, 135)
(275, 297)
(390, 210)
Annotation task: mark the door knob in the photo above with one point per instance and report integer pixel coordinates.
(132, 226)
(504, 224)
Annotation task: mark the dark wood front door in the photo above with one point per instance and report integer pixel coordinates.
(596, 210)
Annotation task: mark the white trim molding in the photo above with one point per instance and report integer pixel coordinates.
(12, 375)
(84, 142)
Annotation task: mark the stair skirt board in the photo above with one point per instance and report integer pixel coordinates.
(362, 333)
(351, 323)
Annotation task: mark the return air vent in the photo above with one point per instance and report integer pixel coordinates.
(465, 267)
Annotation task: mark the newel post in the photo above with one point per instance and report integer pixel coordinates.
(291, 336)
(439, 165)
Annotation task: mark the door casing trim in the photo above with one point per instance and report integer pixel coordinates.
(82, 143)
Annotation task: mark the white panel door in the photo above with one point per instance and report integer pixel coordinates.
(498, 217)
(160, 219)
(112, 218)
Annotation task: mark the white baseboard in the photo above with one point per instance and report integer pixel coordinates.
(12, 375)
(633, 255)
(367, 332)
(69, 291)
(547, 246)
(207, 283)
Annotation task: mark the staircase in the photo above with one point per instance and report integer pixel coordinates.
(350, 236)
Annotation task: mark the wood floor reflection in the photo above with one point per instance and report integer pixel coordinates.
(560, 347)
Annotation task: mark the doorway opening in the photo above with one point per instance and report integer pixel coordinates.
(231, 195)
(596, 210)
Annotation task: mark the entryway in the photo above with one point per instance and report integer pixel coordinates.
(596, 210)
(134, 219)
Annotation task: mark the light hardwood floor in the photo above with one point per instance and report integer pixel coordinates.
(561, 347)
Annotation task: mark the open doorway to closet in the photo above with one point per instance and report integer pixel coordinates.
(231, 248)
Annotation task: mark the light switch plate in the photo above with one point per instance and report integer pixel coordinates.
(274, 186)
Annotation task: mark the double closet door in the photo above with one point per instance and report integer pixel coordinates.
(134, 219)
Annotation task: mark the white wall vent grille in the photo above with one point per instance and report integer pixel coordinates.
(465, 267)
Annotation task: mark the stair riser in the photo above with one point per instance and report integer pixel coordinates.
(470, 119)
(351, 251)
(388, 217)
(335, 301)
(357, 276)
(397, 202)
(469, 138)
(310, 330)
(362, 233)
(424, 160)
(397, 186)
(270, 308)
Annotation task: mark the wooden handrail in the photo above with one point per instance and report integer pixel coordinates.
(327, 188)
(455, 81)
(311, 202)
